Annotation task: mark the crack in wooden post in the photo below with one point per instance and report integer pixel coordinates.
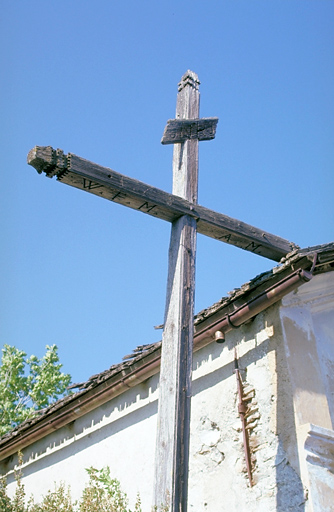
(173, 431)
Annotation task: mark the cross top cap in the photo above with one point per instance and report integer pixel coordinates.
(189, 78)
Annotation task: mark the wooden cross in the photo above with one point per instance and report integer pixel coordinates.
(181, 209)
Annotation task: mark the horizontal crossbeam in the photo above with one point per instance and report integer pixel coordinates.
(104, 182)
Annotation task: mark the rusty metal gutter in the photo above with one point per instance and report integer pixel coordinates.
(82, 405)
(149, 366)
(252, 308)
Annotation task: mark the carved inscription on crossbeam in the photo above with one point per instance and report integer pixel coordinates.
(106, 183)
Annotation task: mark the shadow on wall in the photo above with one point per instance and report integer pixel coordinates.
(291, 495)
(68, 436)
(224, 372)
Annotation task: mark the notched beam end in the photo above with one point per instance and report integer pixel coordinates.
(41, 157)
(46, 159)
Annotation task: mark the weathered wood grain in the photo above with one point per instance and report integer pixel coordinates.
(180, 130)
(104, 182)
(173, 432)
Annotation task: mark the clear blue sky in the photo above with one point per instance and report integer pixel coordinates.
(99, 79)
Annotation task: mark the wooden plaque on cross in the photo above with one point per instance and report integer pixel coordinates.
(187, 218)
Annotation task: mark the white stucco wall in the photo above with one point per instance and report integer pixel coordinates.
(121, 433)
(307, 317)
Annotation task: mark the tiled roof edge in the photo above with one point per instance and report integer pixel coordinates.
(135, 360)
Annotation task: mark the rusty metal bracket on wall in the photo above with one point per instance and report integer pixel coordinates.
(242, 409)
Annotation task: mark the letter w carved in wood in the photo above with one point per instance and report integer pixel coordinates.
(104, 182)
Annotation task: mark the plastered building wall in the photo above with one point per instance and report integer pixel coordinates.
(307, 318)
(288, 384)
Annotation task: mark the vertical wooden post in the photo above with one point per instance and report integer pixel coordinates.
(173, 432)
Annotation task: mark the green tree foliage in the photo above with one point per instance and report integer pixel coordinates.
(28, 384)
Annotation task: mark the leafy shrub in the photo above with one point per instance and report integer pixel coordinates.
(101, 494)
